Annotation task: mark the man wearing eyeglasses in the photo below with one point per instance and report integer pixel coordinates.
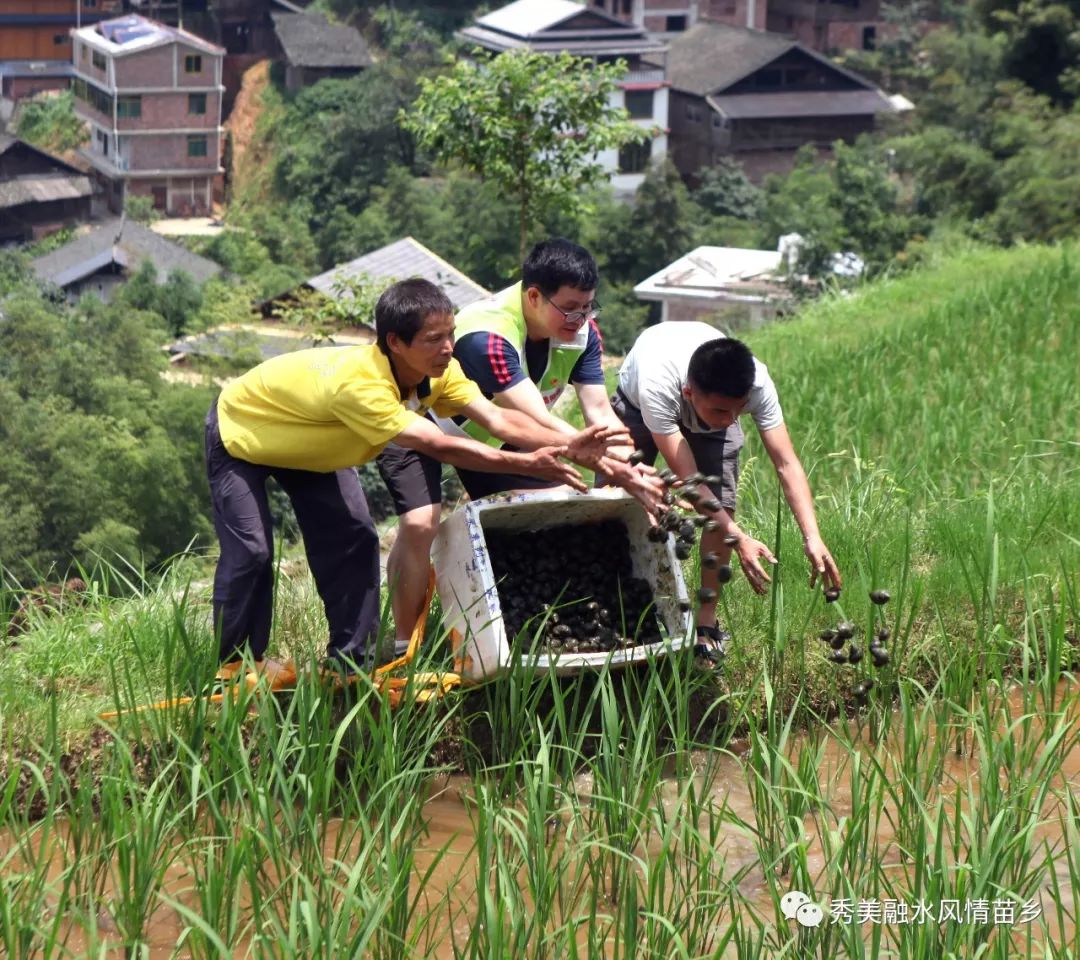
(524, 346)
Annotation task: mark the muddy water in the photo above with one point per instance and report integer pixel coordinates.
(447, 851)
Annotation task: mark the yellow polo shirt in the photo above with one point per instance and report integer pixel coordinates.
(328, 408)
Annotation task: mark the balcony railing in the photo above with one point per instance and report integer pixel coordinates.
(652, 75)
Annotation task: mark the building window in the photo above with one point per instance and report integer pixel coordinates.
(196, 146)
(869, 38)
(59, 39)
(103, 142)
(675, 24)
(193, 64)
(196, 104)
(89, 4)
(98, 99)
(98, 60)
(627, 6)
(639, 104)
(634, 157)
(129, 106)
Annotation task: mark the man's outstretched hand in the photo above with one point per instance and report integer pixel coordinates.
(750, 553)
(589, 446)
(821, 563)
(641, 481)
(545, 463)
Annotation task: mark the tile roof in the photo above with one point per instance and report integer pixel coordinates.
(401, 260)
(808, 103)
(310, 40)
(125, 243)
(712, 56)
(43, 189)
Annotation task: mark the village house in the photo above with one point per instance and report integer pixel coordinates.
(733, 288)
(758, 97)
(104, 258)
(39, 193)
(822, 25)
(313, 48)
(151, 94)
(400, 260)
(554, 26)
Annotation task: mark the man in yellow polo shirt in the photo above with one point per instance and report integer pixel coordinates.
(306, 419)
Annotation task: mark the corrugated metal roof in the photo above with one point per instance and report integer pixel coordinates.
(399, 261)
(555, 25)
(43, 189)
(310, 40)
(812, 103)
(523, 18)
(712, 273)
(125, 243)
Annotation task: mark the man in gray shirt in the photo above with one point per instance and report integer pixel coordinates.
(682, 389)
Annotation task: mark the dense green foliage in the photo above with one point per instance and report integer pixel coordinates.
(48, 121)
(98, 455)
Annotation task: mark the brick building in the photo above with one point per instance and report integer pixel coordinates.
(555, 26)
(152, 97)
(758, 97)
(822, 25)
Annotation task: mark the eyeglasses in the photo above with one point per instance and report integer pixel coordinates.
(577, 316)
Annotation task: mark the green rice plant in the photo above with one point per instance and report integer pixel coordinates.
(217, 867)
(141, 823)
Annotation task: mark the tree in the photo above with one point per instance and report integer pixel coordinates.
(726, 191)
(49, 121)
(531, 123)
(1042, 43)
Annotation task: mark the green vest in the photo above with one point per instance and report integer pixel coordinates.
(502, 315)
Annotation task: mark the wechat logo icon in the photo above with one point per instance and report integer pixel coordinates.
(797, 906)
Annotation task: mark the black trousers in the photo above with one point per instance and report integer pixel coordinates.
(340, 540)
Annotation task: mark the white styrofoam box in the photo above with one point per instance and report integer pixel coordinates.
(470, 597)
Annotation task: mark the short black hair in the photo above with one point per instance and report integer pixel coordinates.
(403, 308)
(724, 366)
(556, 263)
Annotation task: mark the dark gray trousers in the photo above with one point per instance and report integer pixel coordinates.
(340, 540)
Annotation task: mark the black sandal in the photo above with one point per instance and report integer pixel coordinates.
(711, 651)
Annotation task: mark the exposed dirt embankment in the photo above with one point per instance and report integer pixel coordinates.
(249, 157)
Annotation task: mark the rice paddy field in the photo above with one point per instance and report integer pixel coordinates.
(659, 812)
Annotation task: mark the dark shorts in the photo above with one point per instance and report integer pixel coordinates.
(415, 479)
(715, 453)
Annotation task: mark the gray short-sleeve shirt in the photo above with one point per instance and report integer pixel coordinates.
(654, 372)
